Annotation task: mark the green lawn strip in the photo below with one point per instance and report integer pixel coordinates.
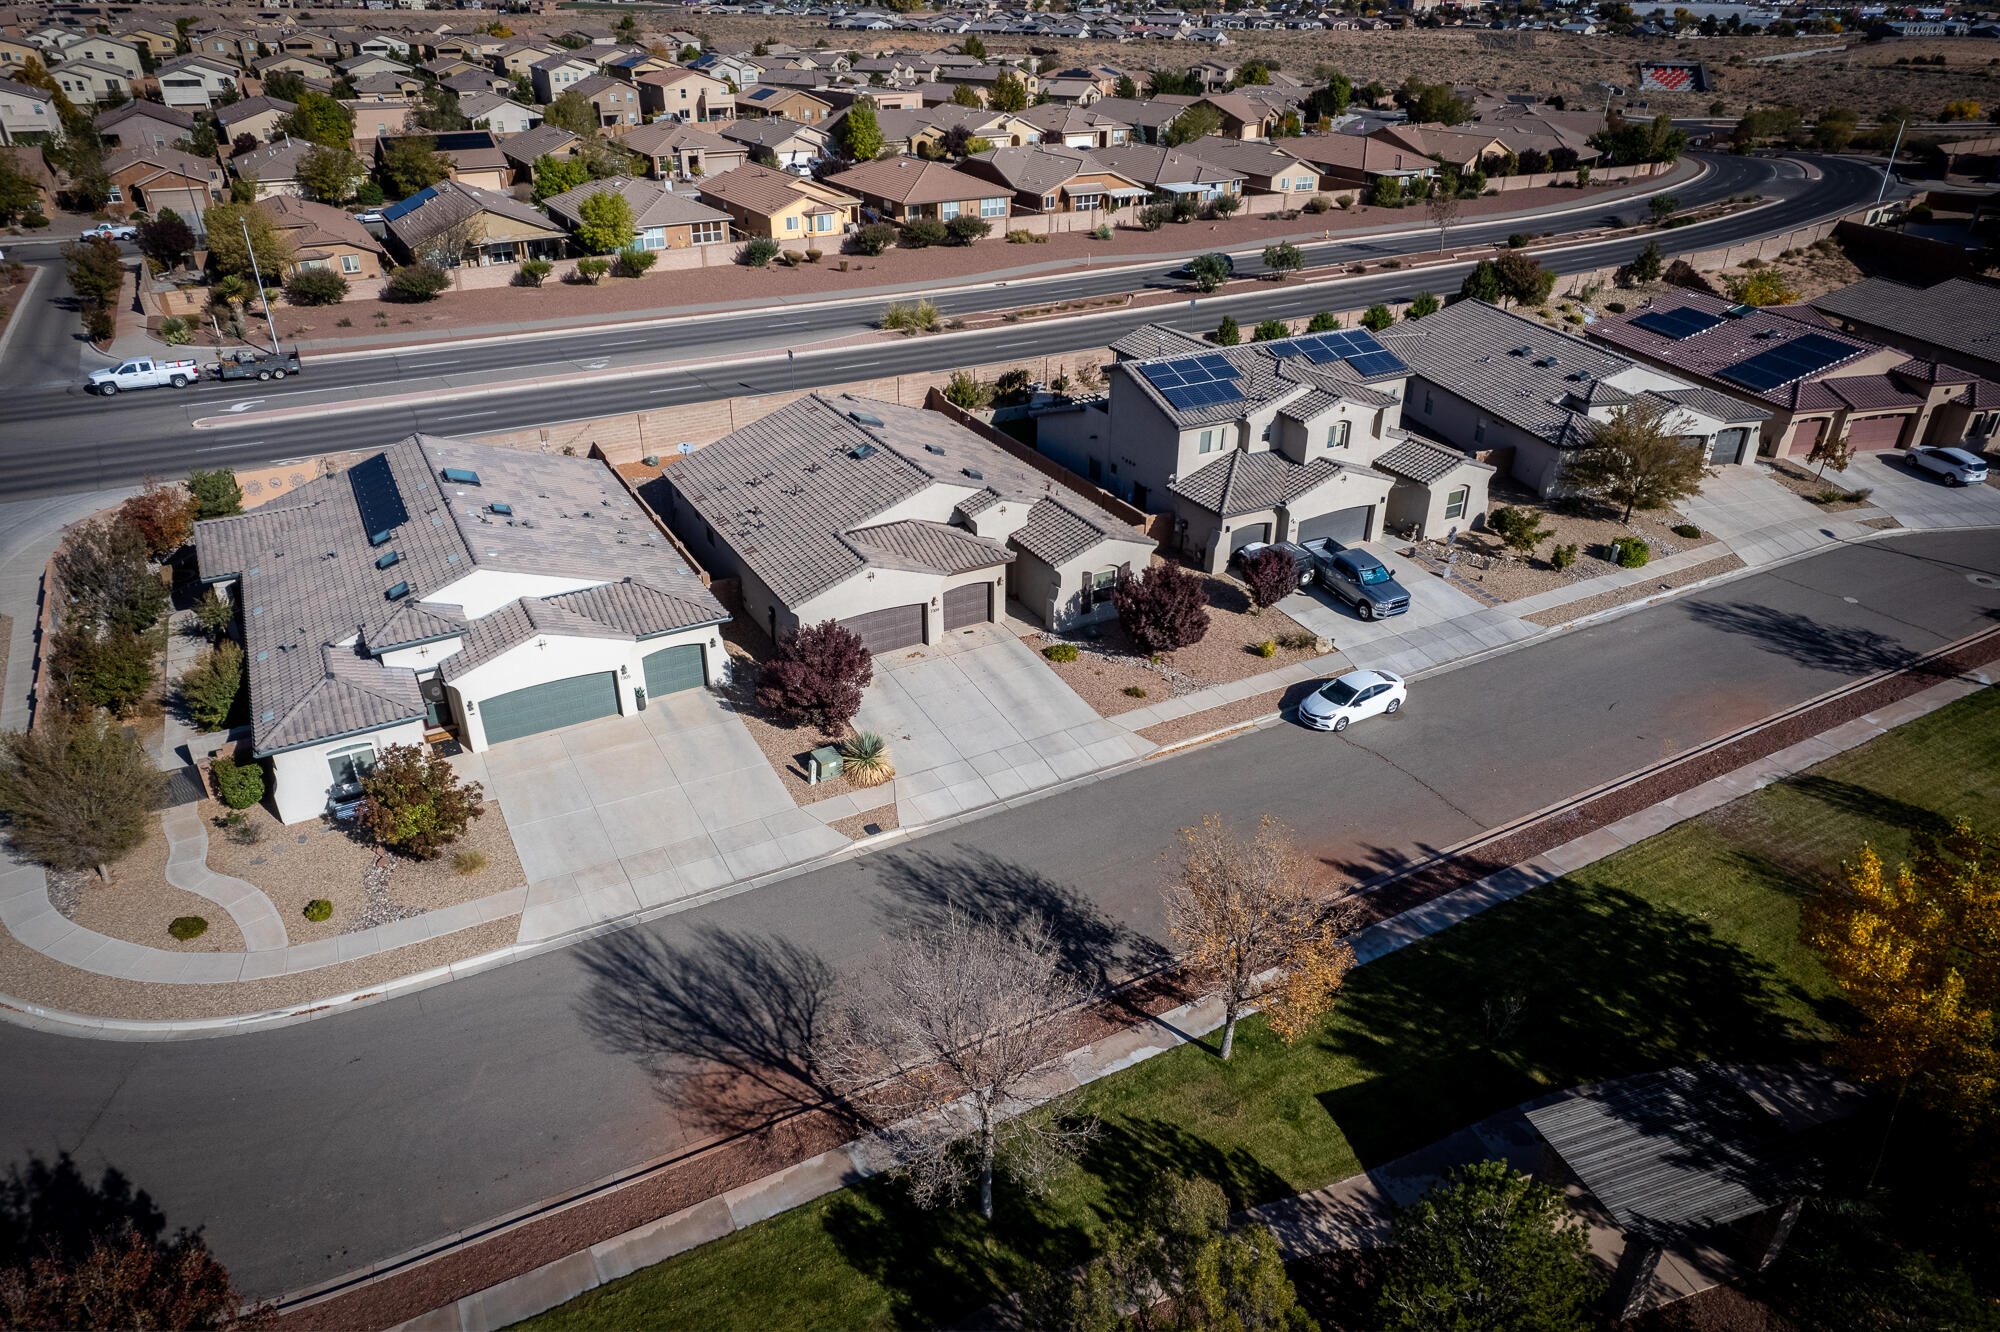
(1681, 948)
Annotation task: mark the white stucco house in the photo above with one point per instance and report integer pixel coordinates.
(441, 589)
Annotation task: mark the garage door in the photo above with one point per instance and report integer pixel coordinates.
(1243, 536)
(544, 707)
(885, 630)
(1729, 446)
(1804, 435)
(971, 604)
(1342, 525)
(1874, 432)
(673, 669)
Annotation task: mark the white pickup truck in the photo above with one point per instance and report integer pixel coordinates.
(143, 372)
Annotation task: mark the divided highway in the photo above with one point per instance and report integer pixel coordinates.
(61, 439)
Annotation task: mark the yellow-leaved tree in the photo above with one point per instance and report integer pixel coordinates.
(1917, 953)
(1239, 910)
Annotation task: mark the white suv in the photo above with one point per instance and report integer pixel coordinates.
(1958, 467)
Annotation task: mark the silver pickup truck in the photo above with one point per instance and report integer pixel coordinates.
(1359, 579)
(142, 372)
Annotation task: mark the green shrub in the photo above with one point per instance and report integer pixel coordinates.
(873, 238)
(413, 802)
(1060, 652)
(319, 909)
(1687, 530)
(467, 863)
(175, 331)
(592, 270)
(912, 317)
(100, 324)
(921, 233)
(209, 687)
(1019, 237)
(217, 493)
(1562, 557)
(1319, 203)
(1519, 240)
(1102, 231)
(1630, 553)
(758, 252)
(418, 282)
(533, 272)
(1303, 641)
(187, 927)
(1615, 307)
(635, 262)
(965, 230)
(240, 785)
(316, 286)
(1134, 691)
(864, 759)
(1267, 648)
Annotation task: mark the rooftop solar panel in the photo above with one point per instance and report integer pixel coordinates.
(1370, 364)
(1788, 362)
(1681, 322)
(377, 497)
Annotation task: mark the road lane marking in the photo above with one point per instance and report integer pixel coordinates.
(432, 365)
(632, 342)
(465, 416)
(244, 405)
(229, 448)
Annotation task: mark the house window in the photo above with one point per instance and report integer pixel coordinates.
(654, 239)
(1454, 503)
(1336, 434)
(348, 766)
(115, 195)
(312, 265)
(1049, 203)
(791, 224)
(993, 208)
(1208, 441)
(912, 210)
(705, 233)
(1265, 435)
(1087, 202)
(948, 211)
(1098, 587)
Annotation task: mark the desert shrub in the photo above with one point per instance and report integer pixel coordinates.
(1562, 557)
(1687, 530)
(1520, 239)
(865, 759)
(1271, 575)
(636, 262)
(319, 909)
(216, 493)
(1064, 652)
(1319, 203)
(965, 230)
(1154, 216)
(1615, 307)
(1518, 529)
(316, 286)
(1163, 608)
(209, 688)
(185, 928)
(968, 391)
(1134, 691)
(175, 331)
(1630, 552)
(1267, 648)
(817, 676)
(418, 282)
(1301, 641)
(592, 270)
(533, 272)
(1019, 237)
(912, 317)
(468, 863)
(1102, 231)
(1270, 330)
(239, 785)
(759, 251)
(921, 233)
(413, 802)
(873, 238)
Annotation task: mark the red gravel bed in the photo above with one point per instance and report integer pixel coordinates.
(710, 1169)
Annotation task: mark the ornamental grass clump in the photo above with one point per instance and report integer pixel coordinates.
(865, 759)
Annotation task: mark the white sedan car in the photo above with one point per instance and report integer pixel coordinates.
(1958, 467)
(1351, 697)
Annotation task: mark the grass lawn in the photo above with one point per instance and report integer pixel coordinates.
(1677, 949)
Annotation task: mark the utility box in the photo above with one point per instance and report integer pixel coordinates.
(823, 764)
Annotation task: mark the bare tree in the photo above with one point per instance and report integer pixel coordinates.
(1830, 450)
(1442, 205)
(962, 1017)
(1239, 910)
(1635, 460)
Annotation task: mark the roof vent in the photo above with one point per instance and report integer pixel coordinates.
(504, 510)
(1546, 361)
(397, 593)
(932, 448)
(460, 476)
(387, 560)
(862, 450)
(382, 537)
(1524, 351)
(975, 473)
(864, 418)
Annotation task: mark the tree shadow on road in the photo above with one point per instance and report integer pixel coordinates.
(50, 1209)
(1848, 649)
(735, 1029)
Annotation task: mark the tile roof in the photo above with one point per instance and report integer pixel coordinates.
(664, 136)
(1714, 403)
(1961, 315)
(1741, 335)
(762, 190)
(1150, 164)
(930, 547)
(652, 203)
(522, 149)
(911, 180)
(1422, 461)
(1058, 530)
(771, 132)
(313, 227)
(253, 106)
(1243, 482)
(437, 208)
(1036, 168)
(1150, 341)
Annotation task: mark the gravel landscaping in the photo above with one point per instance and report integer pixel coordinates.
(138, 903)
(855, 826)
(1108, 664)
(297, 863)
(785, 746)
(1230, 716)
(1484, 562)
(1652, 587)
(1808, 483)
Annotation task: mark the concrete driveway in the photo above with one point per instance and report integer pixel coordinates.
(629, 813)
(1918, 498)
(1442, 623)
(978, 717)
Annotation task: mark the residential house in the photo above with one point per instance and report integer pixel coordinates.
(1956, 321)
(1355, 160)
(661, 219)
(260, 117)
(782, 206)
(478, 80)
(476, 156)
(440, 587)
(315, 72)
(26, 160)
(161, 41)
(1817, 384)
(627, 68)
(523, 150)
(1213, 75)
(14, 56)
(901, 523)
(501, 115)
(325, 238)
(1274, 441)
(369, 66)
(1265, 168)
(518, 56)
(1242, 117)
(899, 189)
(739, 70)
(674, 148)
(274, 167)
(453, 224)
(380, 120)
(617, 103)
(555, 75)
(685, 94)
(197, 80)
(767, 99)
(1149, 117)
(1049, 179)
(981, 78)
(85, 82)
(149, 179)
(143, 125)
(110, 52)
(28, 114)
(1496, 384)
(1077, 127)
(1174, 171)
(792, 144)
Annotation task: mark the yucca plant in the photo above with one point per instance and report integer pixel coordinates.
(865, 759)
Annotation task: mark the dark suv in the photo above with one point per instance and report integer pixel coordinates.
(1359, 579)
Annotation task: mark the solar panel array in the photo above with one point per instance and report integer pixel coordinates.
(1356, 346)
(1195, 381)
(1789, 362)
(1683, 321)
(377, 497)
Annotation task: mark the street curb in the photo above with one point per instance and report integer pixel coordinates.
(14, 320)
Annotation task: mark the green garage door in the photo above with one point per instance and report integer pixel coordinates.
(673, 669)
(544, 707)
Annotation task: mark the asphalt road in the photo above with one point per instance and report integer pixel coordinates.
(309, 1151)
(62, 439)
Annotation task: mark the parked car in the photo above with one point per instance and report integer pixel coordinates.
(1359, 579)
(117, 231)
(1958, 467)
(142, 372)
(255, 363)
(1352, 697)
(1301, 557)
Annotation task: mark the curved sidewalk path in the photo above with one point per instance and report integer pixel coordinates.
(187, 869)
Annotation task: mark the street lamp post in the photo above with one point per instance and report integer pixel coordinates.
(261, 293)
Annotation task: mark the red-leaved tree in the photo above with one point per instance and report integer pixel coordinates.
(817, 676)
(132, 1281)
(1163, 608)
(1271, 575)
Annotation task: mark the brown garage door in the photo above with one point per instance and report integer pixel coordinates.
(894, 627)
(971, 604)
(1804, 435)
(1874, 432)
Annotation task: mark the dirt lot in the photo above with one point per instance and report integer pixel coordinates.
(1589, 526)
(1109, 665)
